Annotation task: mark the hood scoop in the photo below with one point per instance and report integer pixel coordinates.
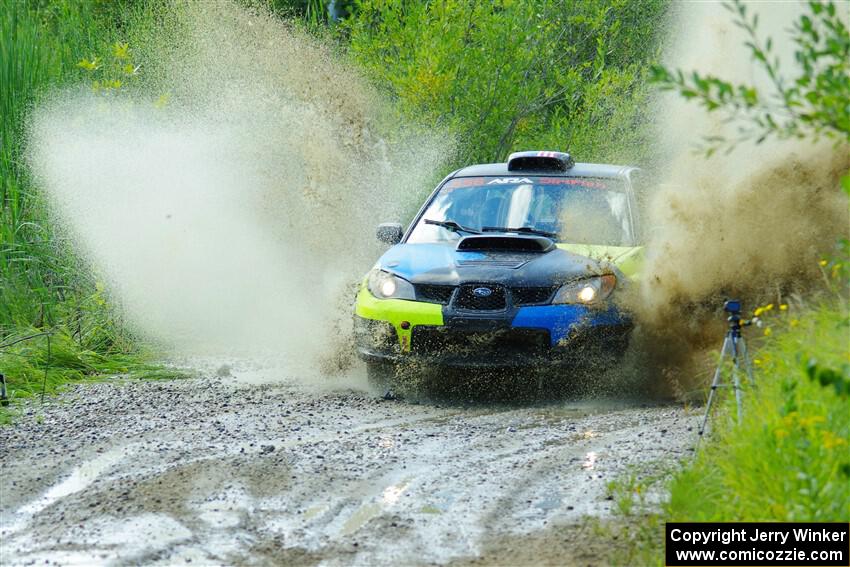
(493, 263)
(505, 243)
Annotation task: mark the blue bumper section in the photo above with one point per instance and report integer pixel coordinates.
(561, 320)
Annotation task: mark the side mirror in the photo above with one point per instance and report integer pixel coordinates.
(389, 233)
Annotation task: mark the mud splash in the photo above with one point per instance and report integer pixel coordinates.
(751, 223)
(238, 215)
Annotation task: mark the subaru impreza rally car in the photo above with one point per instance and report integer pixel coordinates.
(506, 264)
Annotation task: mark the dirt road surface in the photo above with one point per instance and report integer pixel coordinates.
(253, 468)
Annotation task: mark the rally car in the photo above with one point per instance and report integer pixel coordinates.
(506, 264)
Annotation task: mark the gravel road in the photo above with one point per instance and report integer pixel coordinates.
(250, 467)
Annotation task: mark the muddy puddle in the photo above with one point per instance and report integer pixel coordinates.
(249, 466)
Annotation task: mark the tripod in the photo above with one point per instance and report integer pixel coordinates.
(735, 348)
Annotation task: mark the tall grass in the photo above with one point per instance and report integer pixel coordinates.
(37, 48)
(45, 287)
(787, 461)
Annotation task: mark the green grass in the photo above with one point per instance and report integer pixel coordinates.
(45, 287)
(48, 364)
(40, 43)
(789, 458)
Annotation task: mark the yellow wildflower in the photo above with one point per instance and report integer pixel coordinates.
(757, 362)
(758, 311)
(121, 50)
(767, 332)
(92, 65)
(823, 263)
(783, 307)
(768, 307)
(831, 440)
(790, 419)
(808, 421)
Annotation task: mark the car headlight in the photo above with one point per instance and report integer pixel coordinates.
(385, 285)
(590, 291)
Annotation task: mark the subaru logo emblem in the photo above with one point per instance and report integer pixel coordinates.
(482, 291)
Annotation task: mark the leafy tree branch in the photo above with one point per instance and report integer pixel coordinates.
(814, 102)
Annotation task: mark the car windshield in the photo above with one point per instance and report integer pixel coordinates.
(577, 210)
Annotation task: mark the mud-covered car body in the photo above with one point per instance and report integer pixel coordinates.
(495, 268)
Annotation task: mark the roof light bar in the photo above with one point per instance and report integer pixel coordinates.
(540, 161)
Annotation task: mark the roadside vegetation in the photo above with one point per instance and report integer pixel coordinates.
(56, 320)
(788, 459)
(515, 75)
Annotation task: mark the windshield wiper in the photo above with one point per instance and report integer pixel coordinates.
(522, 229)
(452, 225)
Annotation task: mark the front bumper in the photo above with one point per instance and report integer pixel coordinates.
(399, 331)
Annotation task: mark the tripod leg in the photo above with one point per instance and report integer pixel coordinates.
(747, 365)
(715, 383)
(736, 379)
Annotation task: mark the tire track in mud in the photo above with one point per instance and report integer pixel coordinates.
(211, 471)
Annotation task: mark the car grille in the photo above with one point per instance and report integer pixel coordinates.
(496, 301)
(434, 293)
(531, 295)
(484, 345)
(467, 299)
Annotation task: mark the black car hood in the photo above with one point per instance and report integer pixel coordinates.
(510, 263)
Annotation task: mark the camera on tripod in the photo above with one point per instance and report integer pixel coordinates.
(735, 349)
(736, 323)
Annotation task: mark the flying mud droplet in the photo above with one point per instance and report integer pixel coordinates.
(239, 215)
(749, 224)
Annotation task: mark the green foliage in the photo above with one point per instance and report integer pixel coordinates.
(837, 380)
(639, 525)
(46, 363)
(785, 461)
(111, 74)
(314, 13)
(39, 48)
(788, 460)
(814, 102)
(517, 75)
(45, 287)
